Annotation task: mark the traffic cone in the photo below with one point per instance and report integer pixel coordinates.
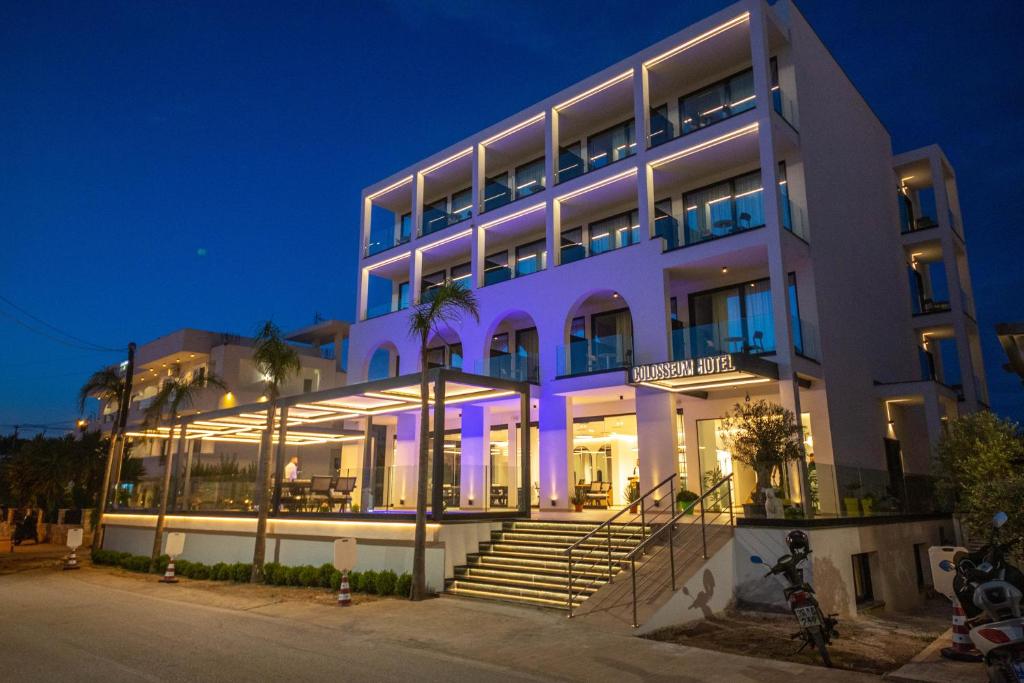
(168, 576)
(962, 649)
(344, 596)
(71, 561)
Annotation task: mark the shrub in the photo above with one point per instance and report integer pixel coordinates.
(218, 572)
(161, 563)
(326, 571)
(270, 572)
(101, 557)
(334, 582)
(369, 582)
(386, 581)
(403, 587)
(241, 572)
(199, 571)
(294, 576)
(355, 581)
(181, 567)
(136, 563)
(309, 576)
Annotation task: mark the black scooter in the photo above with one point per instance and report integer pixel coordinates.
(26, 530)
(816, 628)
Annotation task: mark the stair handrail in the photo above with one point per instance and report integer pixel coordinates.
(607, 526)
(631, 556)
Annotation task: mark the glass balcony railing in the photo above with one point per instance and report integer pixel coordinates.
(382, 241)
(595, 355)
(521, 368)
(755, 335)
(806, 339)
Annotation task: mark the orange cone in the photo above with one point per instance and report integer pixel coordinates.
(71, 561)
(962, 649)
(344, 596)
(169, 576)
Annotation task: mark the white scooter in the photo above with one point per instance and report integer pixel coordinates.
(1000, 637)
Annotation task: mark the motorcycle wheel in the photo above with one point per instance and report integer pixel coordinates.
(1000, 669)
(819, 644)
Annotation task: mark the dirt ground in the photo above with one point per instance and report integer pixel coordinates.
(872, 643)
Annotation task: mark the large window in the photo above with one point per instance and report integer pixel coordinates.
(724, 208)
(614, 232)
(462, 205)
(530, 178)
(734, 319)
(617, 142)
(716, 102)
(661, 128)
(435, 216)
(530, 258)
(604, 458)
(665, 225)
(497, 192)
(570, 162)
(572, 245)
(496, 268)
(461, 273)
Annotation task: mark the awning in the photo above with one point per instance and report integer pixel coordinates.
(723, 371)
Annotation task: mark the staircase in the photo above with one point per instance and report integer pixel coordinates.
(525, 562)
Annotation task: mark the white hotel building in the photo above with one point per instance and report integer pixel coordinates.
(717, 217)
(726, 192)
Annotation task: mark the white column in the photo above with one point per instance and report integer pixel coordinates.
(555, 423)
(473, 479)
(400, 480)
(656, 438)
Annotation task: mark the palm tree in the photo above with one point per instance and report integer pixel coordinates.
(108, 385)
(276, 361)
(446, 306)
(175, 394)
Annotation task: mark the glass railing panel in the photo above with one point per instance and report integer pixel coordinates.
(721, 217)
(496, 193)
(382, 240)
(319, 488)
(805, 338)
(518, 367)
(785, 107)
(570, 165)
(595, 355)
(754, 335)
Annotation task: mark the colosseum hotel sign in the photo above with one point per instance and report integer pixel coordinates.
(710, 372)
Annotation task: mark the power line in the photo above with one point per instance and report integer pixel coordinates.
(76, 342)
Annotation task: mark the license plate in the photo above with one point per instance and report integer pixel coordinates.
(807, 616)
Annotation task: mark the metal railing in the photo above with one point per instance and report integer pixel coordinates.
(670, 526)
(601, 555)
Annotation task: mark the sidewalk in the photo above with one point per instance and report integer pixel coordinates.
(931, 667)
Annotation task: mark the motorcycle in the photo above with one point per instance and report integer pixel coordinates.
(990, 591)
(26, 530)
(817, 629)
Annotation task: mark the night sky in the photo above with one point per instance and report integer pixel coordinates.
(171, 164)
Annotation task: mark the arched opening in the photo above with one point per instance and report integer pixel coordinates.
(512, 349)
(444, 350)
(383, 362)
(598, 335)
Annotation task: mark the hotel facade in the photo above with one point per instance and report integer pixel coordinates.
(715, 219)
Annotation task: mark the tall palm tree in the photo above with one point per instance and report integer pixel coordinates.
(108, 385)
(276, 361)
(175, 394)
(446, 307)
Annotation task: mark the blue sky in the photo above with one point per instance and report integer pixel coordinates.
(170, 164)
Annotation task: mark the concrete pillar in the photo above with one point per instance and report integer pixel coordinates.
(694, 475)
(476, 444)
(400, 481)
(656, 438)
(555, 424)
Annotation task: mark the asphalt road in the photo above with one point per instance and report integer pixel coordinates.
(94, 625)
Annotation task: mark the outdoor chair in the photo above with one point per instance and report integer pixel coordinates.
(319, 490)
(597, 496)
(341, 492)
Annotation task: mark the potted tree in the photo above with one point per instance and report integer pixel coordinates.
(685, 500)
(764, 436)
(632, 495)
(578, 498)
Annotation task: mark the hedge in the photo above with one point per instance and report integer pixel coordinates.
(325, 576)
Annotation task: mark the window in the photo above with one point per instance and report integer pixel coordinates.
(611, 339)
(862, 588)
(499, 345)
(455, 356)
(661, 127)
(435, 216)
(732, 319)
(572, 245)
(787, 217)
(614, 232)
(527, 354)
(570, 162)
(610, 145)
(530, 258)
(436, 357)
(665, 226)
(794, 312)
(724, 208)
(429, 283)
(496, 192)
(403, 296)
(307, 385)
(496, 268)
(461, 273)
(578, 347)
(530, 178)
(406, 228)
(716, 102)
(462, 205)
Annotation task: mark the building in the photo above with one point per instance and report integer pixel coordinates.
(719, 216)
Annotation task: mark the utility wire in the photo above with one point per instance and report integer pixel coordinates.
(76, 342)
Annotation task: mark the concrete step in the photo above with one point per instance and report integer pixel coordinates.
(526, 580)
(538, 567)
(545, 598)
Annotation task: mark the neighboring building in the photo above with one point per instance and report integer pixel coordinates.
(625, 222)
(1011, 337)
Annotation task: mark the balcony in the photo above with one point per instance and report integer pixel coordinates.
(723, 209)
(754, 335)
(586, 356)
(519, 367)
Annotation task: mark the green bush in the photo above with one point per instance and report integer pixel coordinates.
(386, 581)
(309, 576)
(198, 571)
(218, 572)
(161, 564)
(403, 587)
(369, 582)
(270, 571)
(295, 576)
(326, 572)
(241, 572)
(355, 582)
(334, 583)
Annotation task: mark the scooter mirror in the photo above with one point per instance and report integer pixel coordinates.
(756, 559)
(946, 566)
(999, 519)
